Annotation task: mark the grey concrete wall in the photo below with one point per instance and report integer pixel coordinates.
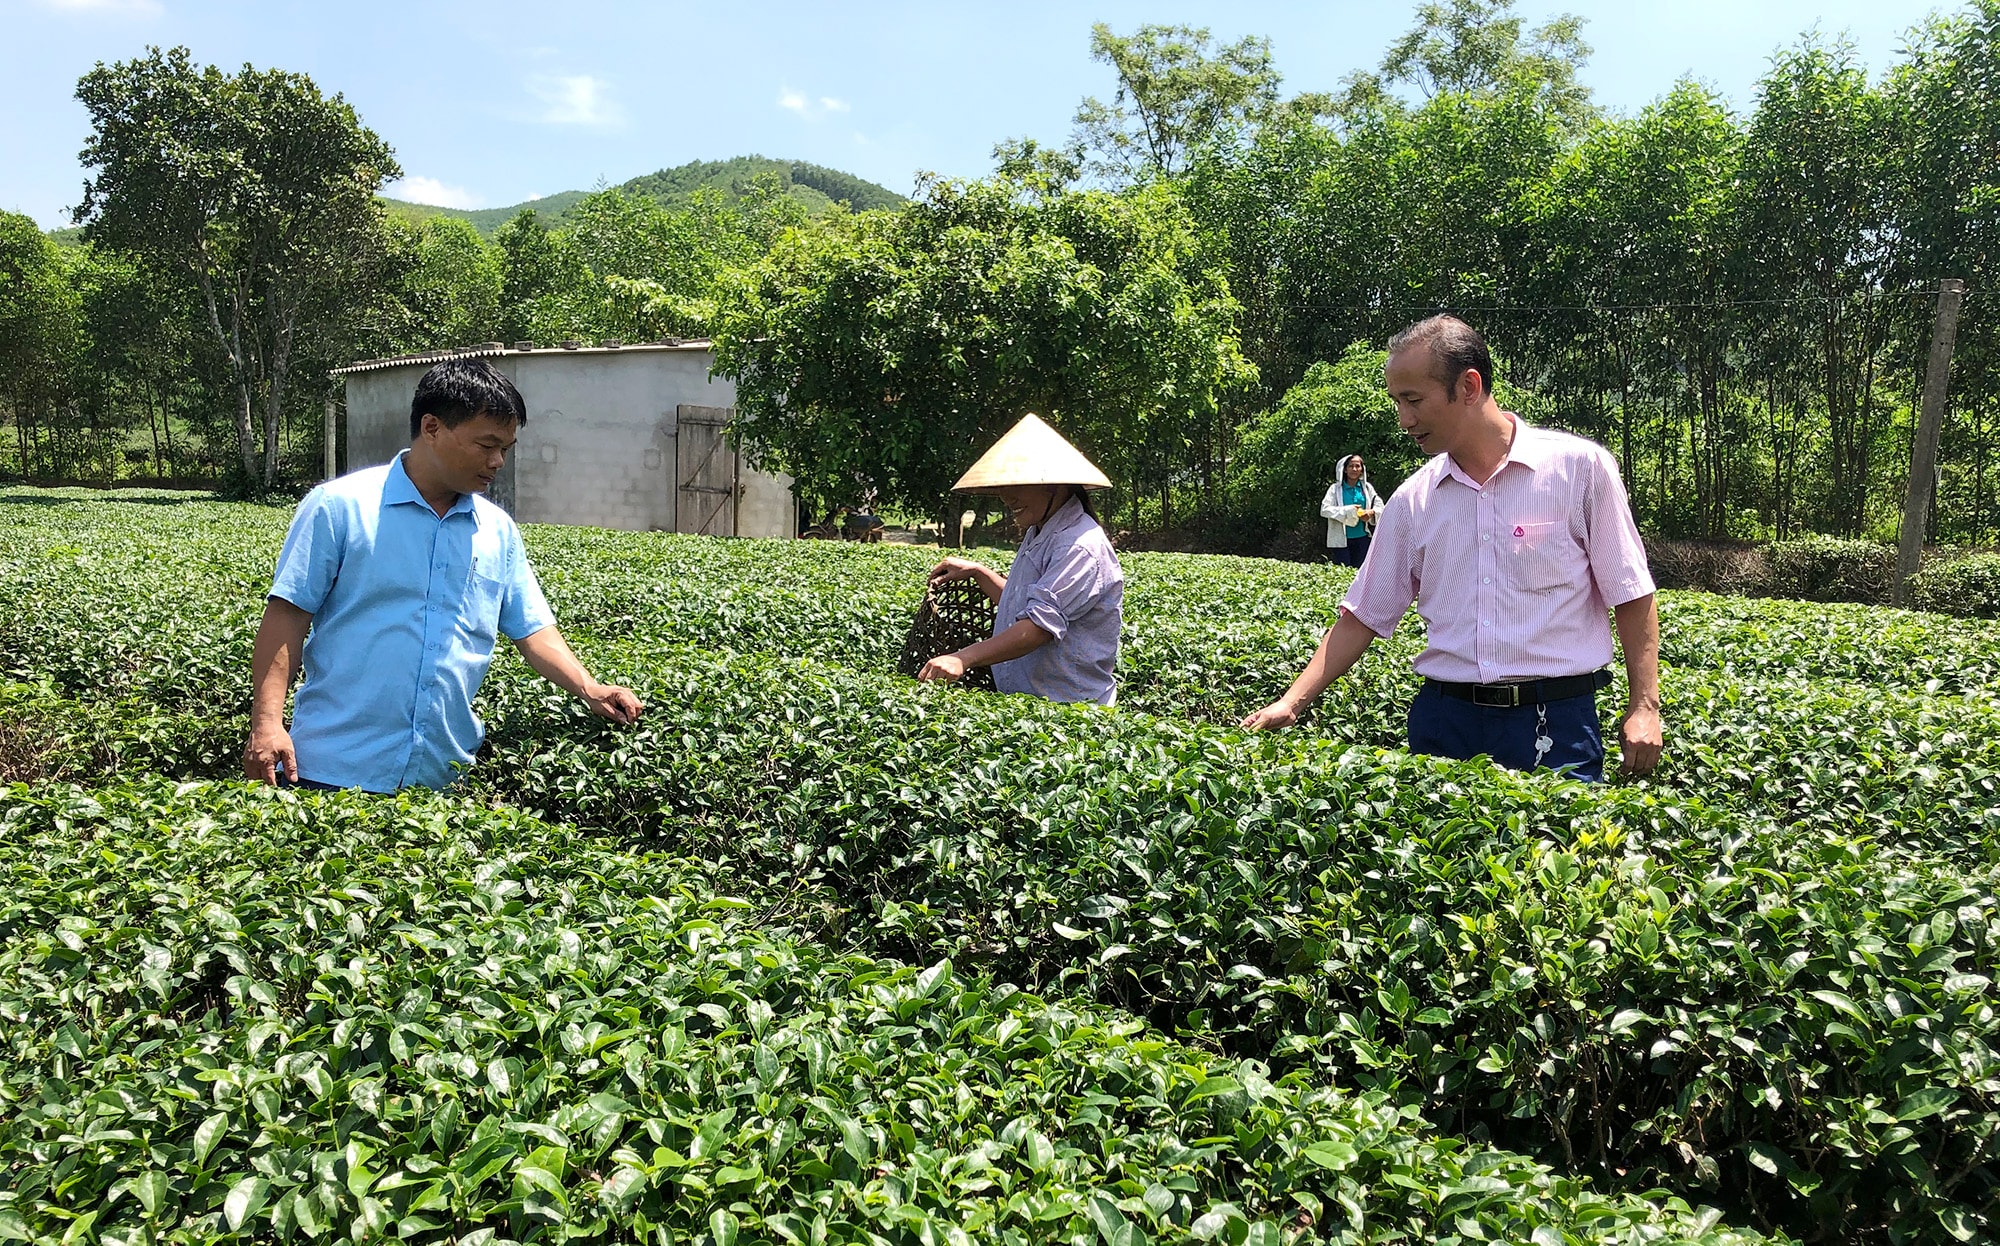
(599, 445)
(766, 507)
(378, 414)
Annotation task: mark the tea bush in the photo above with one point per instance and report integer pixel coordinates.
(1637, 983)
(1825, 568)
(1761, 977)
(236, 1014)
(1969, 586)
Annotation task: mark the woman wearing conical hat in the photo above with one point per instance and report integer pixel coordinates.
(1061, 604)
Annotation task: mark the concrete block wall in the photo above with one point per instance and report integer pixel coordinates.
(378, 415)
(599, 447)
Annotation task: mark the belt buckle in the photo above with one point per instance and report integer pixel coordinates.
(1497, 696)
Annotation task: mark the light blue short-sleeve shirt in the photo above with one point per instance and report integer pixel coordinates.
(406, 607)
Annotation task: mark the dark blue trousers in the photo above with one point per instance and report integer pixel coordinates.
(1443, 726)
(1351, 555)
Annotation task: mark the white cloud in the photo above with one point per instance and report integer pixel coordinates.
(532, 198)
(575, 100)
(430, 190)
(811, 109)
(115, 8)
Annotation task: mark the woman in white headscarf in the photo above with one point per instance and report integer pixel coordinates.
(1350, 508)
(1061, 605)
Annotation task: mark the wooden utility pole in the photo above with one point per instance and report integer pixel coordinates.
(331, 470)
(1930, 423)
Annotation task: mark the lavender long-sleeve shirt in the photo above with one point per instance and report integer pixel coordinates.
(1065, 580)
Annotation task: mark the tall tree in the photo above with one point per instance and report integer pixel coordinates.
(1945, 102)
(41, 334)
(545, 286)
(1176, 92)
(258, 187)
(887, 348)
(1813, 203)
(450, 286)
(1477, 47)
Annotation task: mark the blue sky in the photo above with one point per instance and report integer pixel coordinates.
(488, 104)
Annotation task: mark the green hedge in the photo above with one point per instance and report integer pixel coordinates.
(241, 1015)
(1629, 983)
(1825, 568)
(1969, 587)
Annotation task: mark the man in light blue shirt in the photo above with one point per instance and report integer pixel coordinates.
(392, 588)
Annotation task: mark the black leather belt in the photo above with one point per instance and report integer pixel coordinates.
(1527, 691)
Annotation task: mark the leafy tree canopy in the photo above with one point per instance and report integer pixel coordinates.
(1477, 47)
(255, 185)
(1176, 92)
(887, 349)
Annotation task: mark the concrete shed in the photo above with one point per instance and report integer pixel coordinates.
(617, 437)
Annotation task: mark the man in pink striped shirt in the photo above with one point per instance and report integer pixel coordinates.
(1515, 544)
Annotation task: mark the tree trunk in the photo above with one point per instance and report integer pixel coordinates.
(231, 341)
(166, 418)
(152, 426)
(274, 397)
(21, 444)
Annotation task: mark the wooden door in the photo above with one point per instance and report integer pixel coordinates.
(705, 497)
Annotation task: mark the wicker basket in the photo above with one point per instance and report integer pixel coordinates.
(953, 615)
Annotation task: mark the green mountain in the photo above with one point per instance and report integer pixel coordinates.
(485, 220)
(818, 188)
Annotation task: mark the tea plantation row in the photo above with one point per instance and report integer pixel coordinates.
(1657, 988)
(244, 1014)
(1763, 978)
(1853, 718)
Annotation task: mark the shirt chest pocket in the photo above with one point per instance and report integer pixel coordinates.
(479, 605)
(1541, 555)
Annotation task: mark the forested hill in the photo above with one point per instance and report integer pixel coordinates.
(813, 185)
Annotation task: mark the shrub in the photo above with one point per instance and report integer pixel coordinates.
(1287, 456)
(1825, 568)
(1636, 983)
(243, 1015)
(1968, 587)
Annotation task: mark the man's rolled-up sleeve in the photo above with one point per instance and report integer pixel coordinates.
(1617, 554)
(1386, 585)
(310, 559)
(523, 611)
(1065, 591)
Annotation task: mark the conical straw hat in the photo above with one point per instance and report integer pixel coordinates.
(1032, 453)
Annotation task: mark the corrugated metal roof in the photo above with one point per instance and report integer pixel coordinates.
(487, 350)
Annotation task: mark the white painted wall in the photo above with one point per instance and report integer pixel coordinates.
(599, 444)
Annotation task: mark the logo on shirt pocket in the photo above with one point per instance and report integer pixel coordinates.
(1542, 555)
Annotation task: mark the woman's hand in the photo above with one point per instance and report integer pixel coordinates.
(954, 569)
(946, 666)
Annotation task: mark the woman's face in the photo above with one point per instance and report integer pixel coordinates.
(1028, 505)
(1354, 469)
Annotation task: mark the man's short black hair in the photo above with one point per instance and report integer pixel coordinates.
(1454, 346)
(458, 390)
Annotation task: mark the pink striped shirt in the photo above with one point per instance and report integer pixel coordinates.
(1514, 579)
